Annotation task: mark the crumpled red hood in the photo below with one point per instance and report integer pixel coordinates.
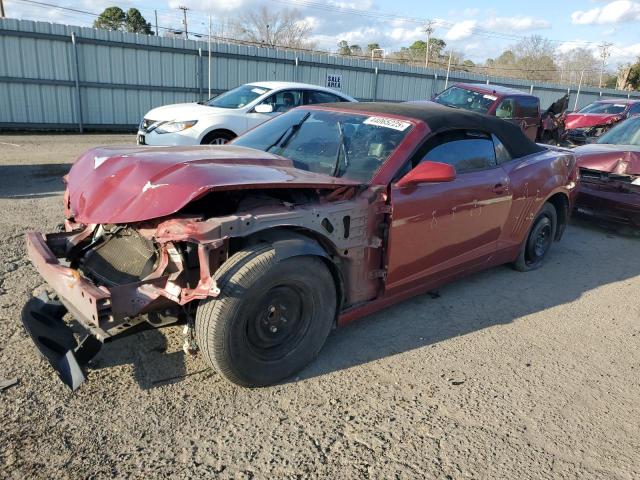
(582, 120)
(620, 159)
(133, 184)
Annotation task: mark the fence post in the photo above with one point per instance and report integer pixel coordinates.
(374, 96)
(295, 70)
(199, 74)
(531, 90)
(77, 82)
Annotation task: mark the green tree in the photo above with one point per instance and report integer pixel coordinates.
(343, 48)
(356, 50)
(372, 46)
(136, 23)
(633, 79)
(112, 18)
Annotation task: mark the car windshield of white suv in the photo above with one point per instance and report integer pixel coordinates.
(607, 108)
(626, 133)
(340, 144)
(467, 99)
(238, 97)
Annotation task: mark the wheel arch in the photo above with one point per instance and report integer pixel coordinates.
(289, 242)
(560, 201)
(213, 130)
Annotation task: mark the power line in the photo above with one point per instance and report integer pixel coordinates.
(442, 65)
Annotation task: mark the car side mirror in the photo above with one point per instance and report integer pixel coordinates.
(428, 172)
(264, 108)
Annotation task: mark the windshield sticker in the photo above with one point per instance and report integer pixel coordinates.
(619, 105)
(399, 125)
(259, 91)
(489, 97)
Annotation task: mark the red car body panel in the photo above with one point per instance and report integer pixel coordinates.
(133, 184)
(582, 120)
(610, 187)
(385, 240)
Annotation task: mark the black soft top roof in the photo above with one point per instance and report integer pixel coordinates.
(440, 117)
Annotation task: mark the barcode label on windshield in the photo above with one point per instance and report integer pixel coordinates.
(399, 125)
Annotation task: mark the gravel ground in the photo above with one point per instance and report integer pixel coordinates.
(505, 375)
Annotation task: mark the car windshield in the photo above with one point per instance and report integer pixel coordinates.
(468, 99)
(345, 145)
(602, 107)
(238, 97)
(626, 133)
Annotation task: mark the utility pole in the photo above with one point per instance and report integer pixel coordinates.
(604, 54)
(184, 12)
(428, 30)
(446, 81)
(1, 9)
(156, 13)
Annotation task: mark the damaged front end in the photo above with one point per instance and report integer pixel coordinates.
(609, 197)
(586, 135)
(116, 279)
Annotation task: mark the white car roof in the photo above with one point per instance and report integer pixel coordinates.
(282, 85)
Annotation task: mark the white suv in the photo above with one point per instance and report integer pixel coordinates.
(222, 118)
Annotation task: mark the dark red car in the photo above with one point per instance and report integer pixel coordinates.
(587, 124)
(506, 103)
(315, 218)
(610, 173)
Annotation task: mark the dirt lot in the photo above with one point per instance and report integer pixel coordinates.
(506, 375)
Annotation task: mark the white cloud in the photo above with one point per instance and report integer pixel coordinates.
(461, 30)
(517, 23)
(618, 11)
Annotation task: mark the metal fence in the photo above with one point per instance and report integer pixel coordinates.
(66, 77)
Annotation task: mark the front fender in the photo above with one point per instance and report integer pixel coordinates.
(289, 244)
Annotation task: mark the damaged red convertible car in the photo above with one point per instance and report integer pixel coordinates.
(610, 176)
(317, 217)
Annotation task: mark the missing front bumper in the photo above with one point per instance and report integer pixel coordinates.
(42, 319)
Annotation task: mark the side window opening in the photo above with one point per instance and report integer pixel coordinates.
(506, 109)
(527, 107)
(502, 154)
(466, 151)
(285, 100)
(313, 97)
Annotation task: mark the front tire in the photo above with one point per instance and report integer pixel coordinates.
(271, 319)
(539, 240)
(217, 137)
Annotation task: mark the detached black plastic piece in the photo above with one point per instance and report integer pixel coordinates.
(42, 319)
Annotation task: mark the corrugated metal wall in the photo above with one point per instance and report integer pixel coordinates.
(60, 76)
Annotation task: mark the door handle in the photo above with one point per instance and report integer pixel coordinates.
(498, 188)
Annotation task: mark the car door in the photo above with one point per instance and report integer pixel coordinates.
(441, 229)
(281, 102)
(528, 115)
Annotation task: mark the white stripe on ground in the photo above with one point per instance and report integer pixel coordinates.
(10, 144)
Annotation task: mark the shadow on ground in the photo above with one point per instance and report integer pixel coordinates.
(587, 258)
(32, 181)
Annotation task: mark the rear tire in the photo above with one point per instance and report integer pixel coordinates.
(271, 318)
(539, 240)
(217, 137)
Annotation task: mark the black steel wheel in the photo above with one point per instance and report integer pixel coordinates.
(271, 318)
(539, 240)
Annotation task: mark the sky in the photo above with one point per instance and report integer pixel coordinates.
(479, 30)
